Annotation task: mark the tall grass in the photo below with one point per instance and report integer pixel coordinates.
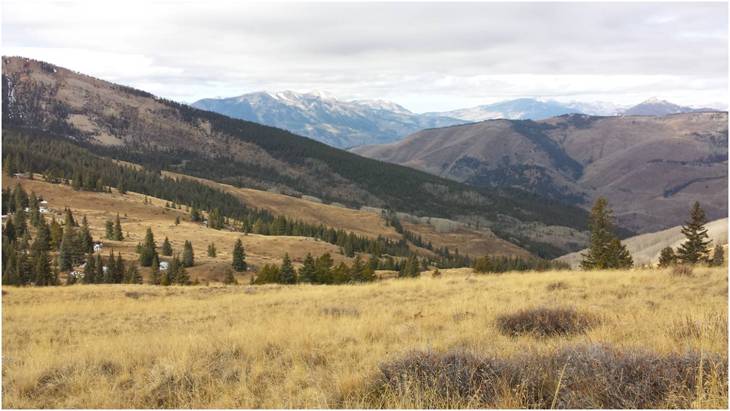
(329, 346)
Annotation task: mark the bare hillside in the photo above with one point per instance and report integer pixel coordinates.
(649, 168)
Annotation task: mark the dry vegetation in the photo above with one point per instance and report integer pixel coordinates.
(427, 342)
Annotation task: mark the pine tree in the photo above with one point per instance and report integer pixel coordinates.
(323, 272)
(56, 234)
(20, 222)
(195, 214)
(9, 231)
(42, 269)
(605, 250)
(667, 257)
(117, 230)
(67, 253)
(166, 248)
(696, 248)
(180, 274)
(133, 276)
(308, 271)
(85, 240)
(90, 270)
(110, 271)
(188, 257)
(718, 256)
(288, 275)
(109, 226)
(99, 265)
(119, 269)
(10, 268)
(239, 257)
(155, 275)
(149, 249)
(177, 220)
(211, 250)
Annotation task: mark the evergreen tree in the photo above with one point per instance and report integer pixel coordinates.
(149, 249)
(194, 214)
(42, 268)
(308, 271)
(288, 275)
(180, 275)
(90, 270)
(111, 269)
(605, 250)
(211, 250)
(718, 256)
(155, 275)
(56, 234)
(10, 268)
(166, 248)
(42, 240)
(133, 276)
(177, 220)
(109, 226)
(20, 222)
(323, 272)
(68, 252)
(9, 231)
(119, 269)
(411, 268)
(99, 265)
(35, 212)
(117, 230)
(667, 257)
(86, 242)
(695, 248)
(188, 257)
(239, 257)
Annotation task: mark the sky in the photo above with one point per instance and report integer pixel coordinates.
(424, 56)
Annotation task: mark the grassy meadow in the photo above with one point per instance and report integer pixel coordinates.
(423, 342)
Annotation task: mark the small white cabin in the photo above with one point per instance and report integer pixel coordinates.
(164, 265)
(98, 247)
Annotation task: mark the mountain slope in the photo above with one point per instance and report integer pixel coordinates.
(338, 123)
(133, 125)
(649, 168)
(519, 109)
(645, 248)
(656, 107)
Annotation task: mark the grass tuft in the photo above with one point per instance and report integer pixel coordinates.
(546, 322)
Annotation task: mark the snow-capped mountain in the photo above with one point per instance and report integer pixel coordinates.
(519, 109)
(320, 116)
(657, 107)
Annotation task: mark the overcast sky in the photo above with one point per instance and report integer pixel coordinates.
(425, 56)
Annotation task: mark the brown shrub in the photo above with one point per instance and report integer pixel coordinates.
(682, 270)
(584, 376)
(546, 322)
(557, 285)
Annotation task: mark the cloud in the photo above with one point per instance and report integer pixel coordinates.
(427, 56)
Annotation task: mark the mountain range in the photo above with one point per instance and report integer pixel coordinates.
(339, 123)
(649, 168)
(125, 124)
(347, 124)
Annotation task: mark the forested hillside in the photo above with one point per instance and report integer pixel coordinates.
(129, 124)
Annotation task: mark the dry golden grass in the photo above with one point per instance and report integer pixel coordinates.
(136, 216)
(323, 346)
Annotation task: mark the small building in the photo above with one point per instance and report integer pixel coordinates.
(164, 265)
(43, 210)
(43, 203)
(77, 274)
(98, 247)
(104, 269)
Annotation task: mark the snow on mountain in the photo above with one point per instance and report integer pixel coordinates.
(519, 109)
(322, 117)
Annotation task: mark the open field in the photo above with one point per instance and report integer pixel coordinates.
(341, 346)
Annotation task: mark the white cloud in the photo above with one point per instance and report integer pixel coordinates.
(428, 56)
